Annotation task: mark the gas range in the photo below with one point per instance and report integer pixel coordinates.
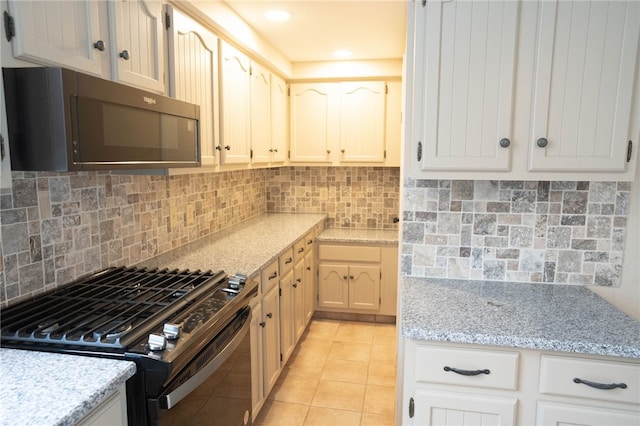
(172, 323)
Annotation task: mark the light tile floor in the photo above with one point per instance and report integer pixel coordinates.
(341, 373)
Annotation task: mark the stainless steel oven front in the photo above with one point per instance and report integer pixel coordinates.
(215, 388)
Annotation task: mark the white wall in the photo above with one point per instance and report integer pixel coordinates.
(627, 296)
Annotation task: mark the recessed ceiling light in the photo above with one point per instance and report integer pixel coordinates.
(342, 53)
(278, 15)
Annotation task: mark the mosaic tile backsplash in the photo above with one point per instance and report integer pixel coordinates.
(551, 232)
(352, 197)
(56, 227)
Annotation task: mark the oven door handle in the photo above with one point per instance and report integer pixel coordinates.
(171, 399)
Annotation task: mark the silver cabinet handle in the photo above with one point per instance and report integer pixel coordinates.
(505, 142)
(542, 142)
(99, 45)
(125, 55)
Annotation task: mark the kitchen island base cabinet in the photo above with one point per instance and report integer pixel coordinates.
(450, 383)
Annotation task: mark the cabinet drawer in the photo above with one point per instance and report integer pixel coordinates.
(299, 249)
(286, 261)
(435, 365)
(557, 376)
(349, 253)
(269, 276)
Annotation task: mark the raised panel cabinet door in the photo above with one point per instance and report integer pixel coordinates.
(309, 285)
(313, 121)
(73, 34)
(550, 413)
(136, 34)
(333, 286)
(271, 338)
(287, 333)
(463, 84)
(193, 63)
(364, 287)
(586, 66)
(235, 105)
(257, 358)
(260, 114)
(459, 409)
(362, 121)
(299, 287)
(279, 119)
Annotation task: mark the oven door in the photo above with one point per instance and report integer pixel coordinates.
(215, 388)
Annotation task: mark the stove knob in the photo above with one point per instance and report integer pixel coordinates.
(157, 342)
(171, 331)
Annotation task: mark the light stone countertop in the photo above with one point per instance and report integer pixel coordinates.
(243, 248)
(551, 317)
(349, 235)
(40, 388)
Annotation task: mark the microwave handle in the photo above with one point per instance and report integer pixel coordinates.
(73, 132)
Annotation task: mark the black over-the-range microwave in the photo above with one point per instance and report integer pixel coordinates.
(62, 120)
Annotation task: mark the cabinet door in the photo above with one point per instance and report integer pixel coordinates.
(550, 413)
(333, 289)
(459, 409)
(235, 108)
(260, 114)
(271, 338)
(362, 121)
(279, 119)
(287, 334)
(299, 287)
(463, 84)
(62, 33)
(193, 66)
(393, 127)
(257, 372)
(309, 285)
(5, 170)
(364, 287)
(313, 121)
(586, 58)
(136, 33)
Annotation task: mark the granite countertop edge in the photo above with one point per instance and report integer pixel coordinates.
(516, 315)
(359, 235)
(34, 381)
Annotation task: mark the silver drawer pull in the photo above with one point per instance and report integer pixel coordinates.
(600, 385)
(467, 372)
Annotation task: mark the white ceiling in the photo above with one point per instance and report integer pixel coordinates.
(371, 29)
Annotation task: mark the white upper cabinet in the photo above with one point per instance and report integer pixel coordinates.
(279, 120)
(116, 39)
(64, 33)
(343, 122)
(193, 68)
(136, 34)
(524, 90)
(362, 121)
(313, 114)
(260, 114)
(586, 63)
(235, 105)
(463, 84)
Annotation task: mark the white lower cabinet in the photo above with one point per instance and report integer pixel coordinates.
(257, 356)
(355, 277)
(459, 409)
(111, 412)
(459, 384)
